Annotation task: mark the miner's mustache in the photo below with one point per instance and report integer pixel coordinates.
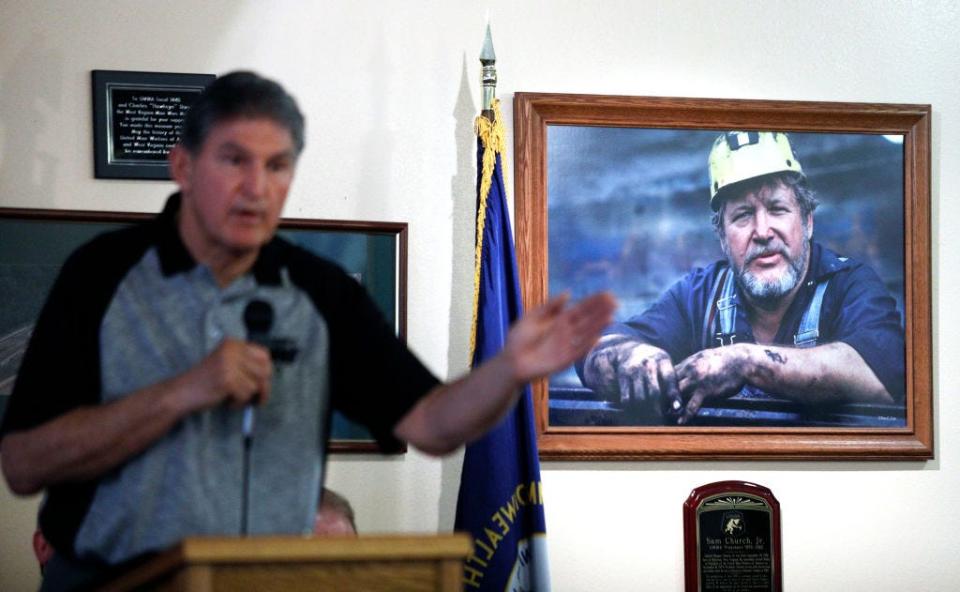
(767, 250)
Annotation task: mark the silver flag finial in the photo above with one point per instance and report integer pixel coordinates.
(488, 58)
(487, 55)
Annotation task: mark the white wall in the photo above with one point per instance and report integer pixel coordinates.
(390, 90)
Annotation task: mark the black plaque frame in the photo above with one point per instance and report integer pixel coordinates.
(109, 88)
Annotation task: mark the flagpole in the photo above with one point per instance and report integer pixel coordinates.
(500, 502)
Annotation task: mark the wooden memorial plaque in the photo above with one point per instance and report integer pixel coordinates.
(731, 535)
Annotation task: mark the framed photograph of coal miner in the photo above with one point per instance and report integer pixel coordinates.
(35, 243)
(772, 264)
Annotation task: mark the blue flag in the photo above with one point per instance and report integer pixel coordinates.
(501, 499)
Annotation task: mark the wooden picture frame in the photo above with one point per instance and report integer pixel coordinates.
(907, 436)
(34, 243)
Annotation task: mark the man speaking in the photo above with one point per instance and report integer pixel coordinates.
(129, 409)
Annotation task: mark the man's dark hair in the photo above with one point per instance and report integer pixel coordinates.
(806, 199)
(240, 95)
(338, 503)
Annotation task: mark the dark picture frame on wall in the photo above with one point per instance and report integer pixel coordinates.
(136, 120)
(612, 193)
(34, 244)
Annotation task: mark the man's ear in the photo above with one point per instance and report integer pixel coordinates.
(809, 226)
(181, 161)
(41, 548)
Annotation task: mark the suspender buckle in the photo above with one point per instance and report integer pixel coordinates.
(727, 303)
(806, 338)
(728, 337)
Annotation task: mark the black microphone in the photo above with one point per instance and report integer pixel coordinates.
(257, 318)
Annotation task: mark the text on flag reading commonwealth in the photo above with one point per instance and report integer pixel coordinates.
(485, 546)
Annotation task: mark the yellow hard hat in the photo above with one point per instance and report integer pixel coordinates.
(738, 156)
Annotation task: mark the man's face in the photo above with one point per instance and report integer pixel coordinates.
(766, 241)
(234, 187)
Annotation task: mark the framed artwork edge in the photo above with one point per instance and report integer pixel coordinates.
(533, 112)
(399, 230)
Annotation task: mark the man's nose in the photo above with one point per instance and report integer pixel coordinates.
(762, 231)
(255, 180)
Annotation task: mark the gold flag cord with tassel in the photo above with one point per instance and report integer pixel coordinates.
(492, 136)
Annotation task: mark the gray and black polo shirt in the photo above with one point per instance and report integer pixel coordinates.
(130, 309)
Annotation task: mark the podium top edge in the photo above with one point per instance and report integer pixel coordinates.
(230, 552)
(326, 548)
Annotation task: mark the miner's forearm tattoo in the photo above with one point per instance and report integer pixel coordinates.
(775, 357)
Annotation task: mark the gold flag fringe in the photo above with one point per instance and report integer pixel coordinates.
(492, 136)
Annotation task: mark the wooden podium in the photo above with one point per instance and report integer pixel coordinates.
(368, 563)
